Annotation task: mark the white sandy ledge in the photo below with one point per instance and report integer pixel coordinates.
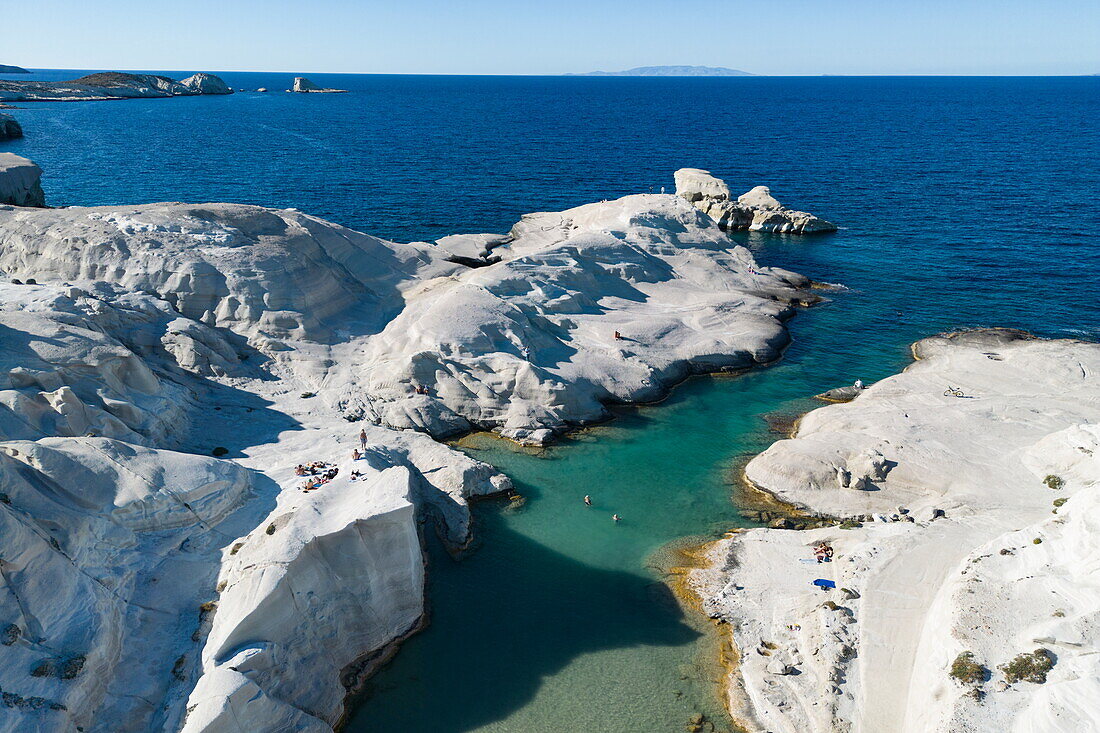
(145, 585)
(920, 592)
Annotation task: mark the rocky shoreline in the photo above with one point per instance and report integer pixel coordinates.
(110, 85)
(937, 590)
(140, 341)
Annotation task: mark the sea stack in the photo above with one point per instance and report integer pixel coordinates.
(20, 182)
(756, 211)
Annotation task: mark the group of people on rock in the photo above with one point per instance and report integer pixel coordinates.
(823, 551)
(319, 472)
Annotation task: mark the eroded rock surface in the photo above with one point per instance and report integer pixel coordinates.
(164, 368)
(20, 182)
(756, 210)
(935, 471)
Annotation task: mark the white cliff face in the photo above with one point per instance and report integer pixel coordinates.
(203, 83)
(135, 582)
(20, 182)
(941, 484)
(214, 594)
(756, 211)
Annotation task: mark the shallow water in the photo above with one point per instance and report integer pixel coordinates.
(964, 202)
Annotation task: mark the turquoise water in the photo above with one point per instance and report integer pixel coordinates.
(963, 201)
(562, 620)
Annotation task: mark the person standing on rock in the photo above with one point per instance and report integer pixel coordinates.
(363, 439)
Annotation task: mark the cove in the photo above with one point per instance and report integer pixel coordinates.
(560, 619)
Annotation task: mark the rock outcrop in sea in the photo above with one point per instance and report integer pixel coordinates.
(967, 488)
(9, 127)
(756, 211)
(166, 368)
(304, 85)
(203, 83)
(109, 85)
(20, 182)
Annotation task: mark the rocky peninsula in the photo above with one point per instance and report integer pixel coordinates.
(189, 540)
(110, 85)
(961, 592)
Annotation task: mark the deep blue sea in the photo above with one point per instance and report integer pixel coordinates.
(962, 202)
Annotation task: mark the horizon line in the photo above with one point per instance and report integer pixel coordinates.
(588, 74)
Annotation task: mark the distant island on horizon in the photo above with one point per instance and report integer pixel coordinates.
(5, 69)
(670, 71)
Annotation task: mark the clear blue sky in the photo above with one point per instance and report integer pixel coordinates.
(555, 36)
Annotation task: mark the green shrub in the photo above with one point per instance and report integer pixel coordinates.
(966, 670)
(1054, 482)
(849, 524)
(1029, 667)
(307, 395)
(1060, 501)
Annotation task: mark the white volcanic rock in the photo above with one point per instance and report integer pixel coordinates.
(695, 184)
(111, 549)
(946, 483)
(400, 335)
(304, 85)
(9, 127)
(526, 346)
(264, 273)
(203, 83)
(198, 326)
(756, 211)
(20, 182)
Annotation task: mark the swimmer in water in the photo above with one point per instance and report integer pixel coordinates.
(587, 500)
(616, 518)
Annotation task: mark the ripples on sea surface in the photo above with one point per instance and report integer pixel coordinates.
(963, 201)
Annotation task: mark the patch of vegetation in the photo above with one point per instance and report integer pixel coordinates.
(831, 605)
(307, 395)
(1054, 482)
(1060, 501)
(1036, 541)
(968, 671)
(219, 452)
(850, 524)
(270, 529)
(1029, 667)
(236, 548)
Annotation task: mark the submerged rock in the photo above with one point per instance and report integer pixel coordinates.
(755, 211)
(20, 182)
